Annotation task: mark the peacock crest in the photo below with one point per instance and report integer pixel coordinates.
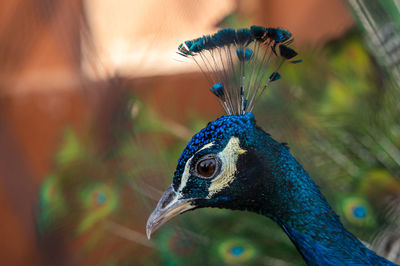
(240, 64)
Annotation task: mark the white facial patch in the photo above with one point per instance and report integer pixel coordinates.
(208, 145)
(186, 172)
(229, 156)
(185, 175)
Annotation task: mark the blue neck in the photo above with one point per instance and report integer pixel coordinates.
(298, 206)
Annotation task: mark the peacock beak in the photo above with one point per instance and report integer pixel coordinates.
(169, 206)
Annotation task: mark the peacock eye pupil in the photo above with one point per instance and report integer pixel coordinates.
(206, 167)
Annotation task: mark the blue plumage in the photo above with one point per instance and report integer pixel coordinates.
(234, 164)
(244, 54)
(218, 90)
(347, 251)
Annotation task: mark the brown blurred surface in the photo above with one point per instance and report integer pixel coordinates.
(42, 91)
(312, 22)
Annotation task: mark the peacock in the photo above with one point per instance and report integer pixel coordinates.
(234, 164)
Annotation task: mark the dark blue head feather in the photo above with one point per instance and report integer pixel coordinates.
(218, 131)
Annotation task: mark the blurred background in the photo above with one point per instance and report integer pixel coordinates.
(96, 107)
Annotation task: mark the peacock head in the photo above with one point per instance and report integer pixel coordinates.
(220, 167)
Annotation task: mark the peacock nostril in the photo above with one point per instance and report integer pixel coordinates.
(168, 198)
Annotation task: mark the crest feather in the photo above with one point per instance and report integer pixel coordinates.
(236, 62)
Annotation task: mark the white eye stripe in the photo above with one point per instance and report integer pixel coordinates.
(209, 145)
(185, 175)
(229, 157)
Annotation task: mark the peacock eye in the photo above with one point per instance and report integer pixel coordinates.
(207, 167)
